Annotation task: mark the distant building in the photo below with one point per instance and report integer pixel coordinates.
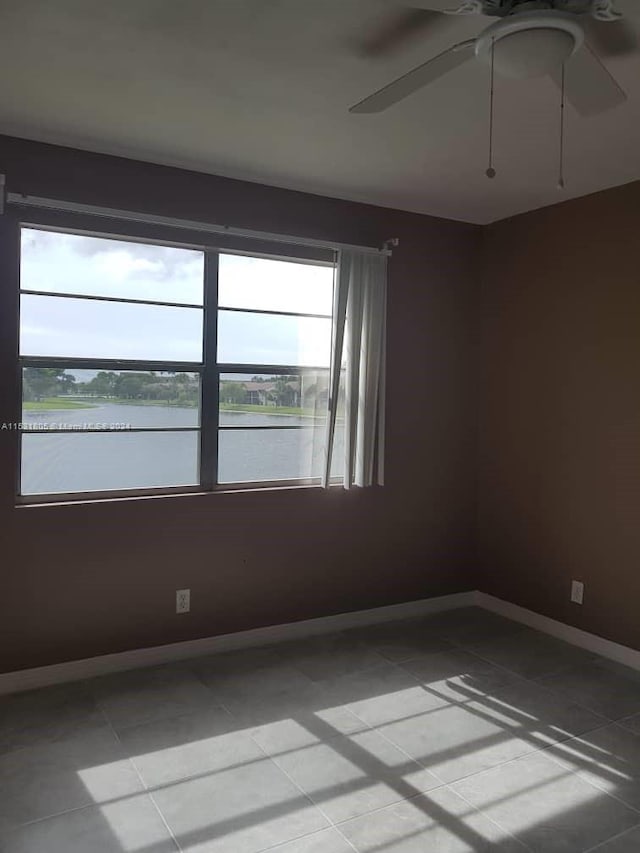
(307, 391)
(259, 393)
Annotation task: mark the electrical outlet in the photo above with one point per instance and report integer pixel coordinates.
(577, 592)
(183, 600)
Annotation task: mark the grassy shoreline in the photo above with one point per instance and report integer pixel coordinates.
(51, 404)
(267, 410)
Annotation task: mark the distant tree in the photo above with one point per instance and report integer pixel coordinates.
(130, 386)
(103, 384)
(39, 382)
(173, 388)
(67, 383)
(285, 391)
(233, 392)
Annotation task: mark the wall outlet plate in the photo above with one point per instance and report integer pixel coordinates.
(183, 600)
(577, 592)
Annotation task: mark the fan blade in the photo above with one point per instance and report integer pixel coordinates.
(400, 28)
(610, 38)
(416, 79)
(589, 87)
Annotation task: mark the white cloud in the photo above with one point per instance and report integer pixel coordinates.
(69, 263)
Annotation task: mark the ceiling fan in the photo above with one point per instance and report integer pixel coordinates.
(528, 38)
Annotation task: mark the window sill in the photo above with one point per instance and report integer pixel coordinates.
(41, 501)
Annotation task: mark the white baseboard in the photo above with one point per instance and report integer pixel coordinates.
(44, 676)
(592, 642)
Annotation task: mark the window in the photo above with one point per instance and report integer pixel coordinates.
(156, 367)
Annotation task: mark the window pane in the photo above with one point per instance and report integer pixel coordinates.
(96, 266)
(273, 400)
(265, 454)
(246, 338)
(246, 456)
(84, 328)
(108, 399)
(85, 462)
(269, 285)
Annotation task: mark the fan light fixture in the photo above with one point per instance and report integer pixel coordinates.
(530, 44)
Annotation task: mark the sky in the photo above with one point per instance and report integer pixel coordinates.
(82, 328)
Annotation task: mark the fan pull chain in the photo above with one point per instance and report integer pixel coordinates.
(561, 183)
(491, 172)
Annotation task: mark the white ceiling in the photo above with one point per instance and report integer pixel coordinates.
(259, 90)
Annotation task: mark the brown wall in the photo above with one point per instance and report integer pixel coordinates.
(87, 579)
(559, 461)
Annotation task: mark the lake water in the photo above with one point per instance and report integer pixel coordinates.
(84, 461)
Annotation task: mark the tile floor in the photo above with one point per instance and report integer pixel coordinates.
(455, 732)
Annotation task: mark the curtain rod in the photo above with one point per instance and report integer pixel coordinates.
(187, 224)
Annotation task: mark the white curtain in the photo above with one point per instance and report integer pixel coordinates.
(357, 374)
